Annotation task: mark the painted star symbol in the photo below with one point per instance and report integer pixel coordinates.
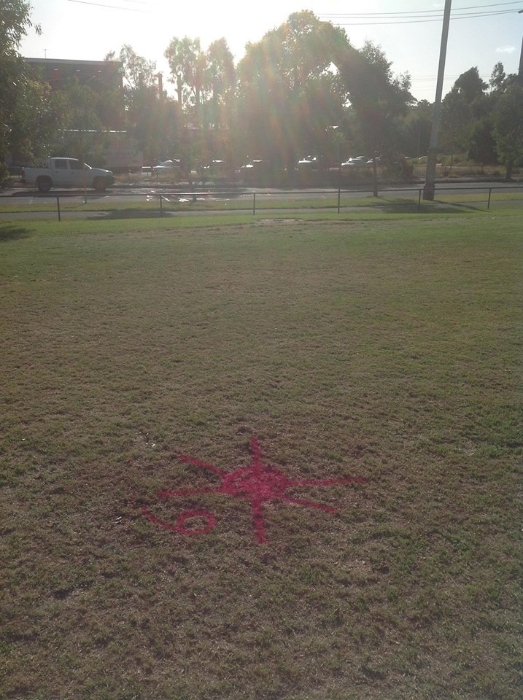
(258, 484)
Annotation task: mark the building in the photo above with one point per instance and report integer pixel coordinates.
(58, 72)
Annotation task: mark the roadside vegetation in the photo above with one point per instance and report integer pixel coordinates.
(381, 347)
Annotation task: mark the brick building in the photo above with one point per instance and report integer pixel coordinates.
(57, 71)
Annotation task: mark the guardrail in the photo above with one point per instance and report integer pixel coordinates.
(296, 199)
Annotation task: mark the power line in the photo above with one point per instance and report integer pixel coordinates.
(415, 13)
(395, 17)
(112, 7)
(393, 21)
(412, 17)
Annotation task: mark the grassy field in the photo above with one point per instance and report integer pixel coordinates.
(386, 348)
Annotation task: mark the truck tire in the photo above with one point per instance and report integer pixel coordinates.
(100, 184)
(44, 183)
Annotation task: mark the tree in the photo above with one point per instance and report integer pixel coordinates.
(151, 118)
(417, 126)
(81, 130)
(497, 77)
(15, 20)
(456, 122)
(294, 86)
(482, 145)
(465, 113)
(37, 124)
(139, 79)
(288, 92)
(470, 85)
(220, 79)
(204, 83)
(508, 127)
(378, 99)
(186, 63)
(137, 71)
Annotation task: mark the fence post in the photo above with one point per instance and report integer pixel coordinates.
(254, 203)
(489, 193)
(161, 206)
(419, 201)
(339, 198)
(58, 207)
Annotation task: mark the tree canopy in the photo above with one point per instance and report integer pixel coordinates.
(15, 85)
(302, 90)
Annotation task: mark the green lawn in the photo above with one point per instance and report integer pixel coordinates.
(387, 348)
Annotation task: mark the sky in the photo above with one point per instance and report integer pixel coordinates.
(482, 32)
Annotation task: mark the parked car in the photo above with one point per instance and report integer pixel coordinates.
(254, 167)
(356, 162)
(168, 167)
(256, 172)
(309, 163)
(216, 165)
(217, 170)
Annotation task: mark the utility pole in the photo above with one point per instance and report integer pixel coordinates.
(520, 72)
(430, 177)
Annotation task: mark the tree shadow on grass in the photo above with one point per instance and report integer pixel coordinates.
(405, 206)
(9, 232)
(468, 207)
(129, 214)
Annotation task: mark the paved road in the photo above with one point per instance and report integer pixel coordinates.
(136, 193)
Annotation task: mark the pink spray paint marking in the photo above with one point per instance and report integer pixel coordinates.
(257, 484)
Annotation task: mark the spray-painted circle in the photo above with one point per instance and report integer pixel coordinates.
(180, 523)
(188, 515)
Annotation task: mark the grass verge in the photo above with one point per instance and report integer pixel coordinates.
(328, 201)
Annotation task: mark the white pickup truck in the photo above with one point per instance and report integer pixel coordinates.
(67, 172)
